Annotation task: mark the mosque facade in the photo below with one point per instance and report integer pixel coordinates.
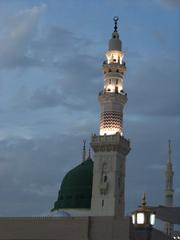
(90, 203)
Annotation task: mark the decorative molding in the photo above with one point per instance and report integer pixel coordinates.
(108, 143)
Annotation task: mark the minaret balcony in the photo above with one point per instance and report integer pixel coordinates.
(114, 67)
(113, 74)
(114, 63)
(169, 193)
(112, 93)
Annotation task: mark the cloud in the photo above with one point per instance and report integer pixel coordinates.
(33, 170)
(171, 3)
(56, 44)
(156, 86)
(58, 51)
(158, 167)
(24, 45)
(81, 76)
(75, 88)
(15, 44)
(46, 98)
(15, 131)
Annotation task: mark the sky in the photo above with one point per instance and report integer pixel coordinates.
(51, 55)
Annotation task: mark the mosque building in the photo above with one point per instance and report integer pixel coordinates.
(91, 200)
(96, 188)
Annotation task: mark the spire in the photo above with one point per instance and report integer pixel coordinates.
(169, 151)
(169, 192)
(115, 42)
(115, 23)
(169, 171)
(84, 151)
(143, 200)
(89, 153)
(89, 156)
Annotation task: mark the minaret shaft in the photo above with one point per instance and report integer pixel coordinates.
(112, 98)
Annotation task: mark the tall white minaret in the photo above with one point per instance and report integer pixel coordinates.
(169, 192)
(110, 147)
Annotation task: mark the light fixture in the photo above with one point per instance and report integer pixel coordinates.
(142, 220)
(143, 216)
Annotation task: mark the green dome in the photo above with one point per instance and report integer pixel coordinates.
(76, 187)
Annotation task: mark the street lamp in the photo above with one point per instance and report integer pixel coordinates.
(143, 219)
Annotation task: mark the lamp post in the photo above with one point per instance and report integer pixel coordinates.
(143, 219)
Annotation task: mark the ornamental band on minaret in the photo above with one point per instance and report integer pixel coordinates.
(110, 147)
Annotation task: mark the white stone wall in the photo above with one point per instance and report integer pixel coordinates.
(109, 175)
(48, 228)
(106, 197)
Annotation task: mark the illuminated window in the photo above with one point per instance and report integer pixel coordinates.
(133, 218)
(105, 178)
(152, 219)
(140, 218)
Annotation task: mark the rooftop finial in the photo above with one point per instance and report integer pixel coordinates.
(143, 200)
(169, 150)
(84, 151)
(115, 23)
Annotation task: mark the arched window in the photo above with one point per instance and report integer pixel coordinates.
(105, 178)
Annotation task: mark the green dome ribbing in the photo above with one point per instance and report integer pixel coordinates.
(76, 187)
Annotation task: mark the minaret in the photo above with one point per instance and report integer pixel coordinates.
(169, 192)
(110, 147)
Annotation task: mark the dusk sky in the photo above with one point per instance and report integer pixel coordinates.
(51, 54)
